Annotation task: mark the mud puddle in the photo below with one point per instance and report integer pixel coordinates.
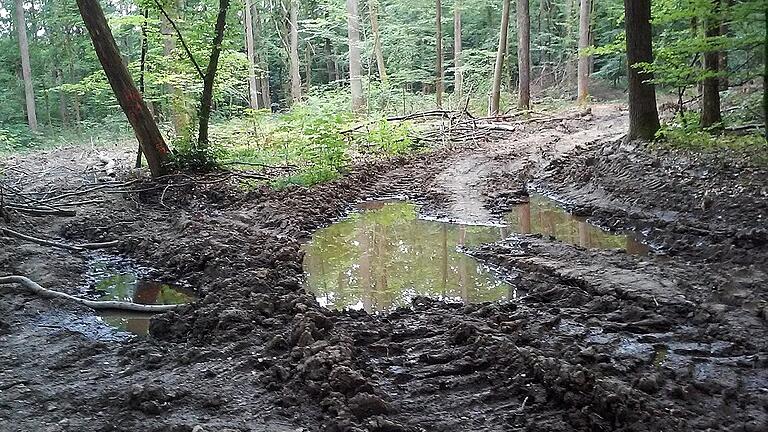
(383, 256)
(121, 280)
(544, 216)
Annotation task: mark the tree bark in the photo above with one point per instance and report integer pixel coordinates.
(26, 69)
(373, 6)
(710, 97)
(524, 54)
(355, 68)
(643, 114)
(458, 74)
(147, 133)
(439, 72)
(499, 66)
(210, 73)
(583, 68)
(293, 55)
(330, 66)
(63, 114)
(253, 90)
(571, 57)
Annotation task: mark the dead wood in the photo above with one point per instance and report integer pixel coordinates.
(38, 290)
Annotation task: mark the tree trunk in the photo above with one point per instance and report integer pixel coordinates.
(142, 69)
(765, 76)
(583, 71)
(524, 54)
(458, 74)
(210, 73)
(63, 114)
(253, 90)
(261, 59)
(293, 55)
(355, 68)
(710, 98)
(570, 56)
(308, 68)
(643, 115)
(152, 143)
(330, 66)
(499, 67)
(26, 69)
(373, 6)
(439, 72)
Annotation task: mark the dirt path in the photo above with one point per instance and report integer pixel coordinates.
(601, 340)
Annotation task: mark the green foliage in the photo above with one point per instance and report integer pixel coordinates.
(389, 139)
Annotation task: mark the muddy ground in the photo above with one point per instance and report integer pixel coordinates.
(601, 340)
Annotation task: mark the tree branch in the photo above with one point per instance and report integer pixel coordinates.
(181, 39)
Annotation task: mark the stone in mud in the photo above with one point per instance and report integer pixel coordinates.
(346, 380)
(649, 383)
(364, 405)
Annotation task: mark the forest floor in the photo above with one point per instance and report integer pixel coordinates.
(674, 340)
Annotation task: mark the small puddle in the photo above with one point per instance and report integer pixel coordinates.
(121, 280)
(383, 256)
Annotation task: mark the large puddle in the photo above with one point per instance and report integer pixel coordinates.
(384, 255)
(121, 281)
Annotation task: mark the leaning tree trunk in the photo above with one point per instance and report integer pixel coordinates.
(373, 6)
(355, 67)
(643, 115)
(524, 54)
(26, 69)
(439, 72)
(210, 73)
(458, 80)
(710, 97)
(583, 68)
(499, 66)
(293, 55)
(253, 90)
(147, 133)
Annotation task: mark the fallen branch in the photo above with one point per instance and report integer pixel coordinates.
(40, 211)
(78, 248)
(36, 289)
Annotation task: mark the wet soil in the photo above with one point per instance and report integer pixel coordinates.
(602, 340)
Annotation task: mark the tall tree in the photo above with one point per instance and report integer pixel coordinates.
(373, 11)
(253, 90)
(765, 75)
(26, 69)
(210, 74)
(585, 19)
(355, 67)
(151, 140)
(524, 54)
(710, 96)
(643, 114)
(499, 66)
(293, 54)
(439, 72)
(261, 59)
(458, 74)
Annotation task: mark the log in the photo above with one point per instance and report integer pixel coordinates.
(36, 289)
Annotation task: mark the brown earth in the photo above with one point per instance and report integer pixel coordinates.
(600, 340)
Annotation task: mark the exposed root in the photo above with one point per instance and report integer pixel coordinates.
(36, 289)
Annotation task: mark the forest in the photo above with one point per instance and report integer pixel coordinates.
(383, 215)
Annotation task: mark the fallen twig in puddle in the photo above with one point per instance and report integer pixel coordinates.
(35, 288)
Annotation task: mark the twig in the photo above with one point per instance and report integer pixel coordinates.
(78, 248)
(35, 288)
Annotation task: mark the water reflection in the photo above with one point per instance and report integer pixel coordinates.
(383, 257)
(128, 288)
(543, 216)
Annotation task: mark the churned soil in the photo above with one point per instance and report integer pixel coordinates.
(596, 341)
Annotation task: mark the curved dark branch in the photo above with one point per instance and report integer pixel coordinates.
(181, 39)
